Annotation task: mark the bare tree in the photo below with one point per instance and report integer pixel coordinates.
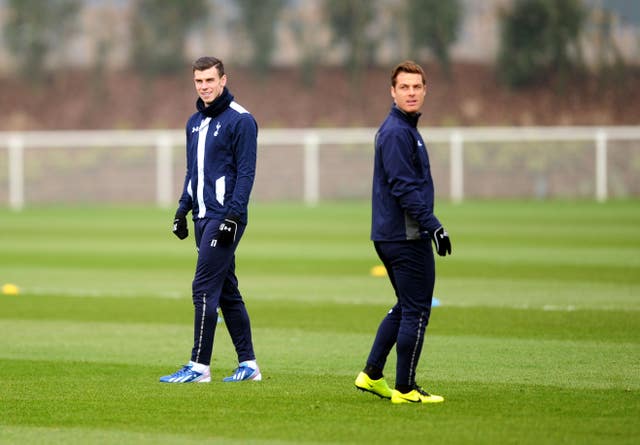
(259, 19)
(159, 31)
(540, 38)
(434, 24)
(350, 20)
(35, 29)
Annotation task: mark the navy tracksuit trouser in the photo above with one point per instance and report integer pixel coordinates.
(411, 269)
(215, 285)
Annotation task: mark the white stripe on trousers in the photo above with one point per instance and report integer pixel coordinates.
(415, 350)
(204, 312)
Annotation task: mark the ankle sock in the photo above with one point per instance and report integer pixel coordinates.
(404, 388)
(250, 363)
(199, 367)
(373, 372)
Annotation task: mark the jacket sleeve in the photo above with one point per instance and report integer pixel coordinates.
(185, 203)
(406, 178)
(245, 146)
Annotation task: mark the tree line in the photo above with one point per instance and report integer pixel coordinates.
(540, 39)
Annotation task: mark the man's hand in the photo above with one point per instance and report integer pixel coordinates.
(227, 232)
(180, 228)
(441, 241)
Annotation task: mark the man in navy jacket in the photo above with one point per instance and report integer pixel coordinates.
(403, 227)
(221, 160)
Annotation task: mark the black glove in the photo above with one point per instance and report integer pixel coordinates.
(180, 228)
(441, 241)
(227, 231)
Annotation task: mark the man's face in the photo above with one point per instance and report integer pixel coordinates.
(209, 84)
(409, 92)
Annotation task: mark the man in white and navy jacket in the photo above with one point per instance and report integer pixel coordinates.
(221, 160)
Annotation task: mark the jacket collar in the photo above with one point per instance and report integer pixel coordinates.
(220, 104)
(411, 119)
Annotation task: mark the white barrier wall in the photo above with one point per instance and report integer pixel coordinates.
(311, 165)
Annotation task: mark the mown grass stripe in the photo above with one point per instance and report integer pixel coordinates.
(536, 339)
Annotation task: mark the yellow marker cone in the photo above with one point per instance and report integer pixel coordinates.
(10, 289)
(378, 271)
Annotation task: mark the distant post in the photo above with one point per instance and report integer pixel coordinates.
(601, 165)
(456, 166)
(16, 172)
(164, 170)
(311, 169)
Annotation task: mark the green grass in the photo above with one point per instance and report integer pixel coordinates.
(536, 340)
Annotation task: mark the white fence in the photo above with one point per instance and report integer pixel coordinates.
(315, 164)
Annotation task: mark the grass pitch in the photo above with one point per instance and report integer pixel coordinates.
(536, 340)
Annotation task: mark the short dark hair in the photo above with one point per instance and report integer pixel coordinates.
(204, 63)
(408, 66)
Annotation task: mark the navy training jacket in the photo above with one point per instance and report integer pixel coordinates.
(403, 191)
(221, 160)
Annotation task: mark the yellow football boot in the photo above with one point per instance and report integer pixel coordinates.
(416, 395)
(378, 387)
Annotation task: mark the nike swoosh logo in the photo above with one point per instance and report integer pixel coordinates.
(410, 400)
